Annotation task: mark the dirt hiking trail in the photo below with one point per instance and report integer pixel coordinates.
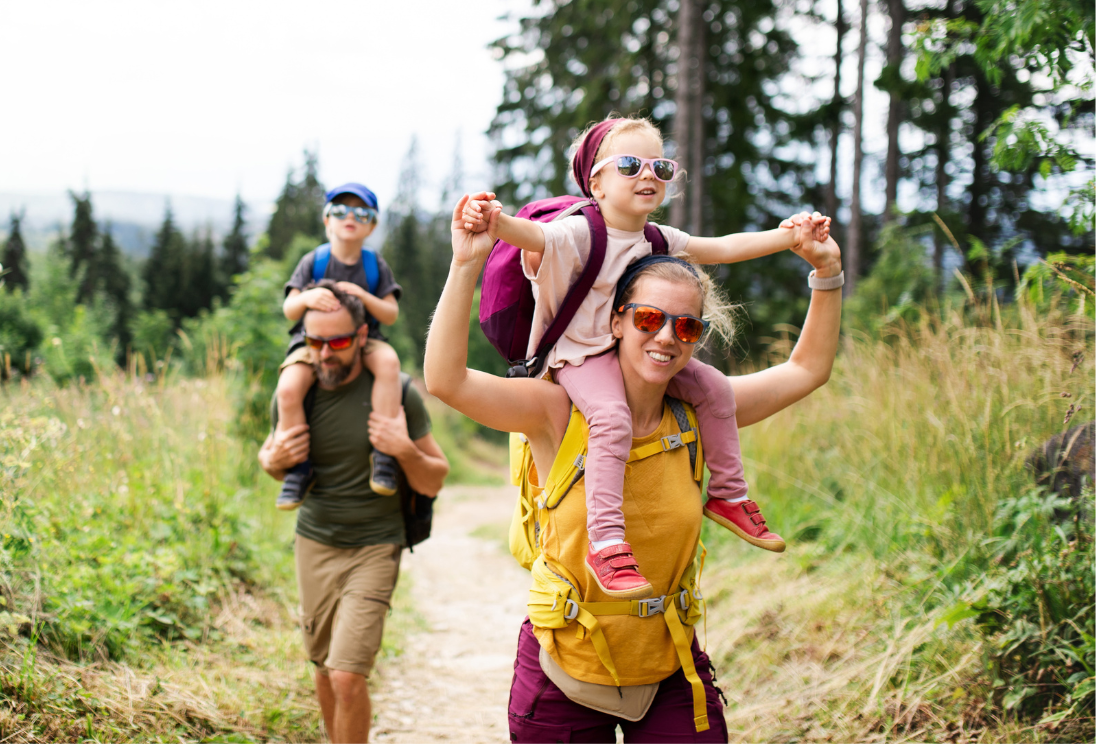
(452, 681)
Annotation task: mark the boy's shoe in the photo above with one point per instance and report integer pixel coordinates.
(744, 519)
(298, 482)
(615, 570)
(383, 472)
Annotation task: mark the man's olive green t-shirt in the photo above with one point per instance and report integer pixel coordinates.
(341, 511)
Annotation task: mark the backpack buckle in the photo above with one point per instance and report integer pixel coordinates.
(652, 606)
(671, 442)
(683, 599)
(522, 368)
(570, 610)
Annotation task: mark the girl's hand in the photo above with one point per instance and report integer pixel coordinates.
(808, 227)
(470, 245)
(320, 298)
(477, 211)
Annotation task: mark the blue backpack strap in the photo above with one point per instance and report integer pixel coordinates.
(320, 261)
(372, 270)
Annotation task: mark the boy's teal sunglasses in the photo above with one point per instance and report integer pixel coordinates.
(364, 215)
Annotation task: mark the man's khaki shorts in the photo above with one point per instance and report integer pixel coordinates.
(345, 594)
(300, 355)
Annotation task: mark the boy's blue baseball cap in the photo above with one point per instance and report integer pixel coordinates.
(357, 190)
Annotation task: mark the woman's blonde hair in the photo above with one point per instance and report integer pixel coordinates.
(715, 307)
(624, 126)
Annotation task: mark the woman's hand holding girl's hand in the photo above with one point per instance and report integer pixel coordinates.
(477, 212)
(470, 244)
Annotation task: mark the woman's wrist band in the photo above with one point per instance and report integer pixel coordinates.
(829, 282)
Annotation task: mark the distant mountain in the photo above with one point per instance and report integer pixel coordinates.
(134, 217)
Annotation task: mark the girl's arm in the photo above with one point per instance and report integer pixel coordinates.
(743, 246)
(385, 309)
(534, 407)
(517, 231)
(762, 394)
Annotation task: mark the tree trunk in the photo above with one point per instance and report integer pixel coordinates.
(686, 211)
(854, 239)
(895, 53)
(835, 122)
(943, 155)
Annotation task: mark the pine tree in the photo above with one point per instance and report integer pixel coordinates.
(81, 245)
(115, 285)
(298, 209)
(201, 274)
(14, 257)
(165, 270)
(234, 255)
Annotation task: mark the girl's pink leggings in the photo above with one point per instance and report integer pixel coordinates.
(596, 387)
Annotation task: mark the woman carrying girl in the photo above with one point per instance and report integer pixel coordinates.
(661, 498)
(618, 164)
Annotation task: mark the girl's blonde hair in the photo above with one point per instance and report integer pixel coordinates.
(715, 307)
(624, 126)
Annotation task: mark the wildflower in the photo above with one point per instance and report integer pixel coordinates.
(117, 410)
(56, 341)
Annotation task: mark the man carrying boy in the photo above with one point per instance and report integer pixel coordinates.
(349, 217)
(349, 538)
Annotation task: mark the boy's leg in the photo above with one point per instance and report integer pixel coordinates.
(383, 362)
(295, 378)
(710, 393)
(596, 387)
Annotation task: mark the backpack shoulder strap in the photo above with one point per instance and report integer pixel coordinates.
(684, 424)
(372, 271)
(656, 238)
(599, 239)
(319, 263)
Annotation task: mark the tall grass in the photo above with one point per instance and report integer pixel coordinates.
(893, 484)
(912, 442)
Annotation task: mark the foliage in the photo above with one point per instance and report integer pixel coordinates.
(1062, 276)
(1051, 40)
(1037, 607)
(13, 259)
(81, 246)
(19, 333)
(179, 275)
(899, 286)
(297, 211)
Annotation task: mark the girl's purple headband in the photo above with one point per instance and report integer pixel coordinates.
(585, 158)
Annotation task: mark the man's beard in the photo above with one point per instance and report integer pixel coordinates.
(329, 376)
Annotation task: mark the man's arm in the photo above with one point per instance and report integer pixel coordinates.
(422, 460)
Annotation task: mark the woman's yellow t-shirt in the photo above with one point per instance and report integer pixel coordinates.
(662, 517)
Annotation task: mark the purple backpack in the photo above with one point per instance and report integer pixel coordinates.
(506, 297)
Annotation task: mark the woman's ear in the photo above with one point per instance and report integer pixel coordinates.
(616, 324)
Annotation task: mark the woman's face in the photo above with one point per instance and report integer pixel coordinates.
(656, 357)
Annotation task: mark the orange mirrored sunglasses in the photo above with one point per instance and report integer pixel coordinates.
(650, 319)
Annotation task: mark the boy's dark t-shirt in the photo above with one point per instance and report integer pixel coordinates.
(340, 272)
(341, 511)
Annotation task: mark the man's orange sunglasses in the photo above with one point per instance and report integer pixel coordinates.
(337, 343)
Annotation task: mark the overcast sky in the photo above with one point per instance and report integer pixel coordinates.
(210, 98)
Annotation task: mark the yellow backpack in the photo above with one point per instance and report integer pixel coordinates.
(554, 601)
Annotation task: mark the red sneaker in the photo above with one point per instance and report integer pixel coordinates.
(615, 570)
(744, 519)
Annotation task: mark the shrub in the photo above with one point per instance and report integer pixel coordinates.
(19, 333)
(1036, 606)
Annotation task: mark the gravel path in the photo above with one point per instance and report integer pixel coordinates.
(452, 681)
